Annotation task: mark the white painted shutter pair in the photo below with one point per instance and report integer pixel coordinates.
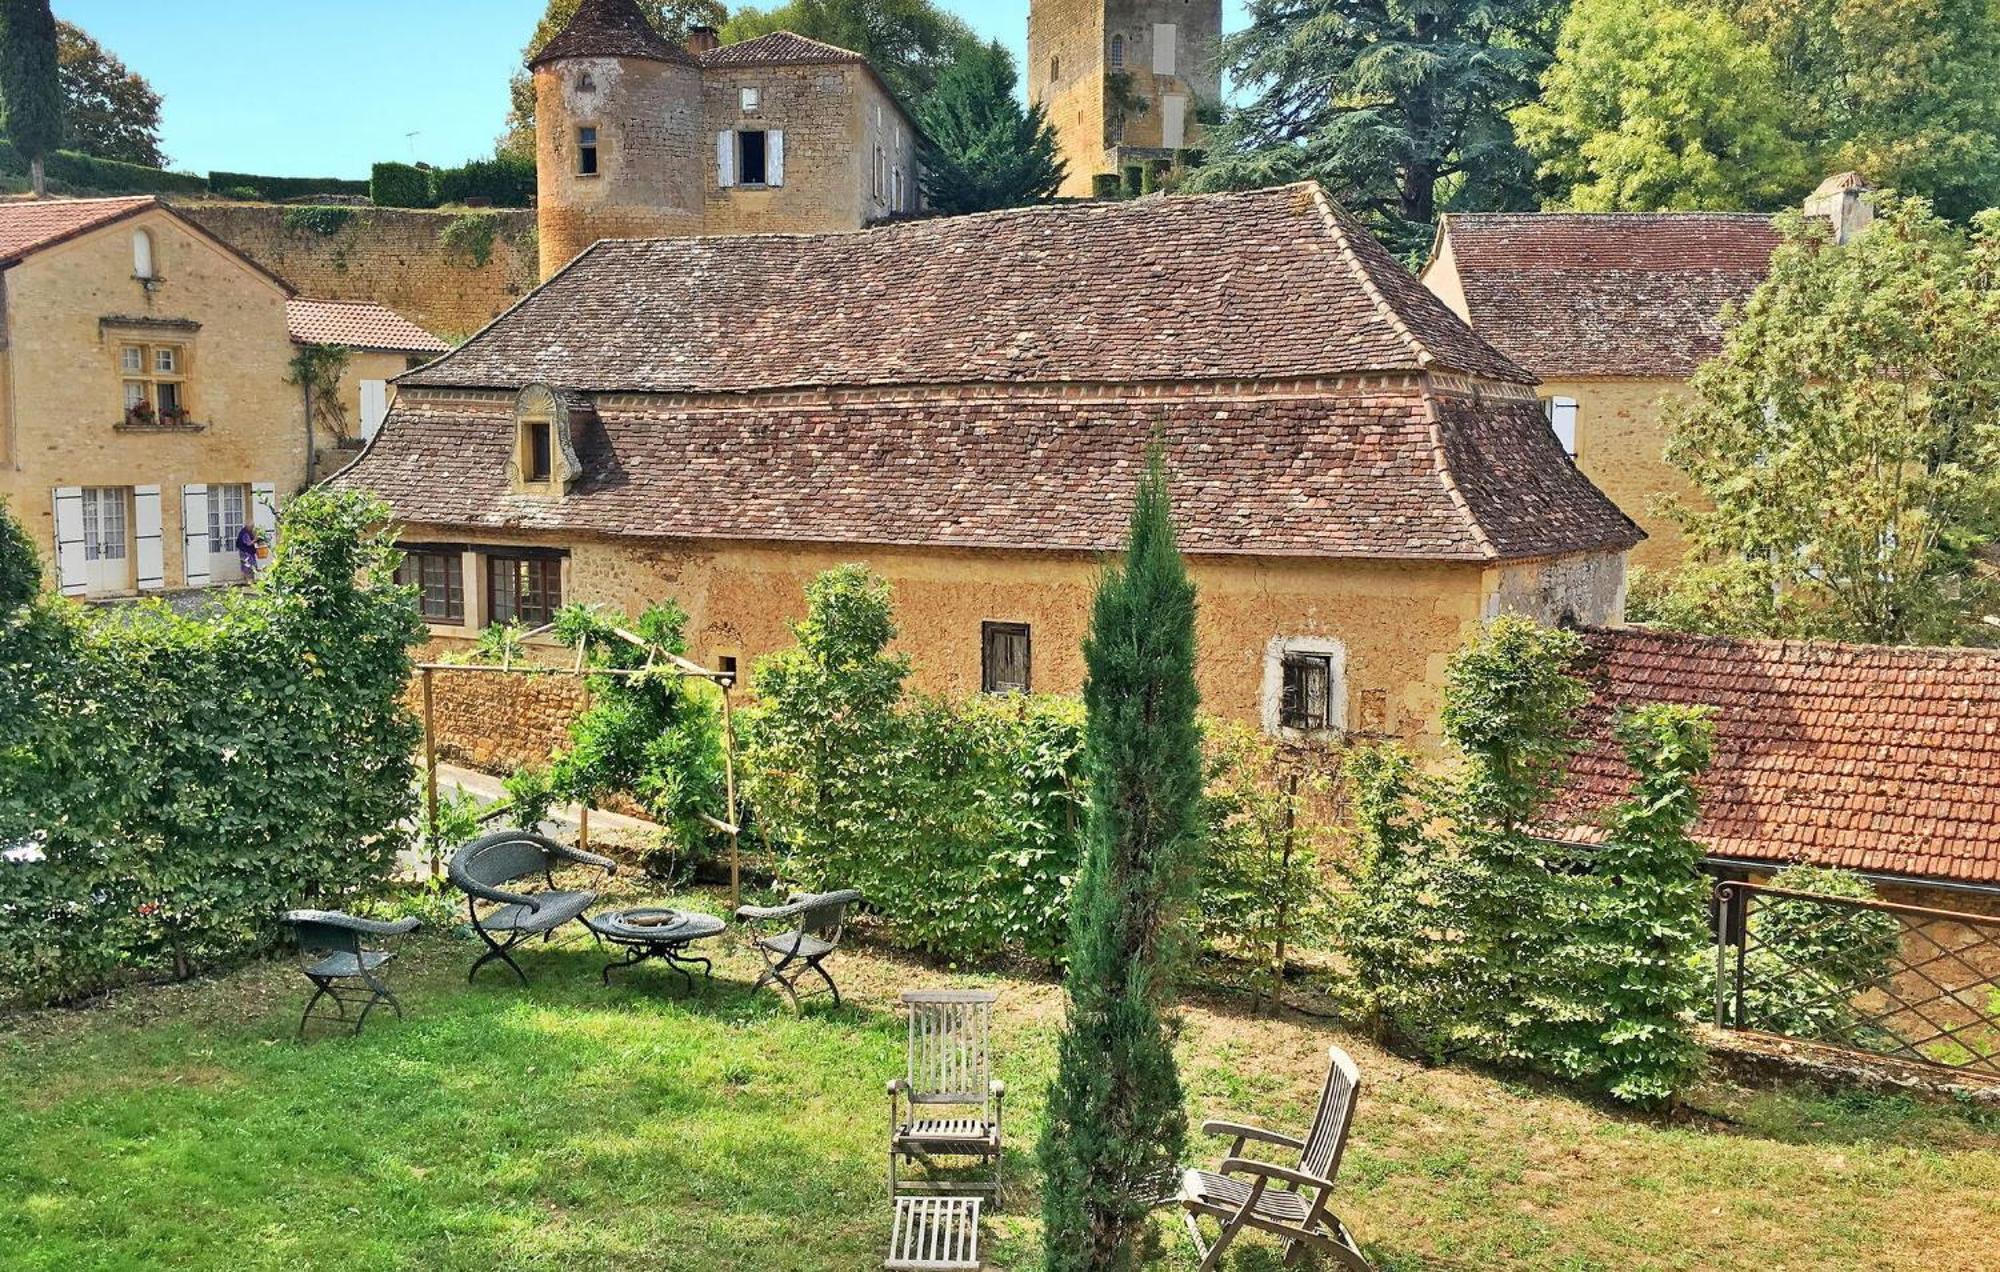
(72, 575)
(725, 158)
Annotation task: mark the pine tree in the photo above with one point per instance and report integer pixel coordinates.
(29, 83)
(982, 150)
(1115, 1118)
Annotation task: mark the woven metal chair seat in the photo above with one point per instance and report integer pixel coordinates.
(335, 966)
(797, 945)
(1204, 1188)
(961, 1131)
(555, 909)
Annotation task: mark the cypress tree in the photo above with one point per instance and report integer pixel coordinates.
(30, 86)
(1116, 1124)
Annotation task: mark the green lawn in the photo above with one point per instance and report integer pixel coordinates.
(569, 1126)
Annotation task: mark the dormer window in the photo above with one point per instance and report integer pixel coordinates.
(586, 151)
(537, 450)
(142, 256)
(545, 461)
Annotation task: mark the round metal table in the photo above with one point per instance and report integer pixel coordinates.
(649, 932)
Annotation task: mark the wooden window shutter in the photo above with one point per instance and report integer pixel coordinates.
(194, 535)
(264, 510)
(725, 158)
(146, 538)
(774, 158)
(69, 540)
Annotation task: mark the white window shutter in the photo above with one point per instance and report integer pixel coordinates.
(374, 407)
(146, 538)
(1562, 418)
(194, 535)
(264, 510)
(725, 158)
(774, 158)
(1164, 36)
(69, 540)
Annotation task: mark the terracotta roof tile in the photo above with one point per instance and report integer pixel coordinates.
(357, 324)
(1607, 294)
(28, 225)
(1859, 756)
(1234, 286)
(780, 48)
(611, 28)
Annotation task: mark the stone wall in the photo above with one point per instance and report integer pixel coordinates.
(1621, 442)
(394, 256)
(496, 722)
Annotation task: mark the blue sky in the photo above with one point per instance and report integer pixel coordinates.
(288, 88)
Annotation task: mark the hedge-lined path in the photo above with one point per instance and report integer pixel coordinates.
(570, 1126)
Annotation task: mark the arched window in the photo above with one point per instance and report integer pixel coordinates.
(142, 254)
(1117, 52)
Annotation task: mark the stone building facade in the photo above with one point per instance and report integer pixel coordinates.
(1123, 80)
(965, 405)
(637, 137)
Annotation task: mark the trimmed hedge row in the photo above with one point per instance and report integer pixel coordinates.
(102, 176)
(502, 182)
(278, 189)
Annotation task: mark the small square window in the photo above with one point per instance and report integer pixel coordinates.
(132, 358)
(753, 100)
(1308, 692)
(1004, 659)
(164, 361)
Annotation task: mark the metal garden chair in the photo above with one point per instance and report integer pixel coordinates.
(480, 868)
(1289, 1202)
(333, 959)
(949, 1064)
(815, 921)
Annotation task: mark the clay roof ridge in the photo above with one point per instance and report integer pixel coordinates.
(1441, 466)
(777, 46)
(1806, 644)
(1418, 349)
(497, 319)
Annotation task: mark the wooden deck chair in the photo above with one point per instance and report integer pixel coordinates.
(1289, 1202)
(954, 1102)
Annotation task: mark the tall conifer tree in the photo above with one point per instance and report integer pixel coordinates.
(1116, 1123)
(30, 86)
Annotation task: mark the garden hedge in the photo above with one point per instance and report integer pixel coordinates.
(279, 189)
(88, 174)
(400, 185)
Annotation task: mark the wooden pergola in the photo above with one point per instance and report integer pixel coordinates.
(659, 662)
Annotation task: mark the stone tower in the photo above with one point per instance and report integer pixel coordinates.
(1122, 80)
(619, 135)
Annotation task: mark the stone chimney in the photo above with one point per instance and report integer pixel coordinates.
(703, 38)
(1843, 200)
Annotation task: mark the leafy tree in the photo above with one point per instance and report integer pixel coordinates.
(30, 87)
(108, 110)
(672, 18)
(1844, 443)
(1115, 1120)
(908, 42)
(1650, 107)
(20, 565)
(1399, 107)
(981, 149)
(1905, 91)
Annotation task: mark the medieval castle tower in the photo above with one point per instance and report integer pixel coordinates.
(638, 137)
(1123, 80)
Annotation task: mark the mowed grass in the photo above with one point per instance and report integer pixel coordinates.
(570, 1126)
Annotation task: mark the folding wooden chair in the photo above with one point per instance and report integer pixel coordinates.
(949, 1070)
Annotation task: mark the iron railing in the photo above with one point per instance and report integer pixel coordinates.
(1871, 976)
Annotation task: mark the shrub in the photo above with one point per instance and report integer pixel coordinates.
(400, 185)
(1808, 962)
(191, 777)
(325, 220)
(278, 189)
(507, 181)
(1106, 185)
(81, 172)
(468, 239)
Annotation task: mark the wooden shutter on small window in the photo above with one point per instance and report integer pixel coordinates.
(725, 158)
(69, 540)
(194, 535)
(774, 158)
(146, 538)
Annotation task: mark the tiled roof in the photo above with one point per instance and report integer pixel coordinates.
(1351, 470)
(611, 28)
(1607, 294)
(1865, 757)
(1272, 283)
(780, 48)
(29, 225)
(357, 324)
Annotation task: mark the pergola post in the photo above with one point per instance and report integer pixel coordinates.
(430, 775)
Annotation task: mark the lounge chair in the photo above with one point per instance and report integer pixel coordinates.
(954, 1101)
(482, 866)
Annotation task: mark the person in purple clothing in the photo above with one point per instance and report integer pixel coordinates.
(246, 548)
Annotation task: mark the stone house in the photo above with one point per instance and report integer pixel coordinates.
(965, 406)
(1123, 81)
(636, 136)
(380, 344)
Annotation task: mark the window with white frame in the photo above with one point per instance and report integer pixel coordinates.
(154, 380)
(1305, 687)
(1561, 412)
(228, 513)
